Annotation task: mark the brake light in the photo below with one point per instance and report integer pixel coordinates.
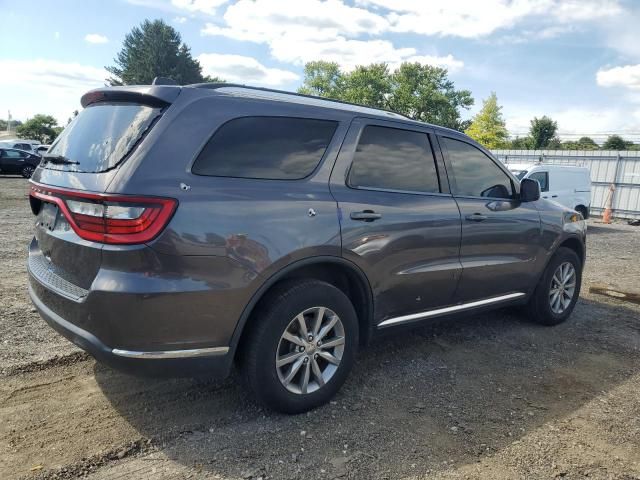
(106, 218)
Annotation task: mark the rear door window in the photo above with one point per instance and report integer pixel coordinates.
(275, 148)
(394, 159)
(101, 136)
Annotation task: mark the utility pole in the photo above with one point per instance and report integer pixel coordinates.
(9, 121)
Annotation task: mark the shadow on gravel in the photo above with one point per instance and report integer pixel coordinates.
(418, 401)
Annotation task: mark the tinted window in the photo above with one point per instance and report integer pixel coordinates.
(276, 148)
(394, 159)
(102, 135)
(474, 173)
(543, 180)
(14, 154)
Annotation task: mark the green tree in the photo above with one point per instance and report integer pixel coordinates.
(488, 126)
(425, 93)
(615, 142)
(323, 79)
(151, 50)
(43, 128)
(587, 143)
(520, 143)
(14, 123)
(584, 143)
(367, 85)
(421, 92)
(543, 133)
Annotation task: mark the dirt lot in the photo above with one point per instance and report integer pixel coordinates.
(487, 397)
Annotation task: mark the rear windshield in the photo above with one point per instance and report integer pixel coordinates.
(100, 137)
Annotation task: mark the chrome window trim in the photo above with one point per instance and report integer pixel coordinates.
(166, 354)
(454, 308)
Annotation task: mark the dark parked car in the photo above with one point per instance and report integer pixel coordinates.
(18, 162)
(182, 229)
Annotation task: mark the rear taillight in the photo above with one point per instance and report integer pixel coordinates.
(106, 218)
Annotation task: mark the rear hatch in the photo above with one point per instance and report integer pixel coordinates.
(75, 218)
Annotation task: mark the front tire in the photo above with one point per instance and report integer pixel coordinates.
(301, 347)
(558, 290)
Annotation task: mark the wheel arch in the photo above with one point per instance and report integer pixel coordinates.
(337, 271)
(583, 209)
(576, 245)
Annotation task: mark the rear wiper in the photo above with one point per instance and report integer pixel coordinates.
(59, 160)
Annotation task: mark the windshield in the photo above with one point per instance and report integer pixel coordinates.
(519, 173)
(100, 137)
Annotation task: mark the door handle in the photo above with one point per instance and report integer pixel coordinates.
(476, 217)
(365, 216)
(554, 196)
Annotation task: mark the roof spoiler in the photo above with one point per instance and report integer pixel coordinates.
(152, 95)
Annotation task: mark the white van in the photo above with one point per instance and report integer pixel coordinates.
(569, 186)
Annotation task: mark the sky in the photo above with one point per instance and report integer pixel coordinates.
(577, 61)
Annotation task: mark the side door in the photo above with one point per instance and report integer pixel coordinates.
(12, 160)
(501, 236)
(399, 223)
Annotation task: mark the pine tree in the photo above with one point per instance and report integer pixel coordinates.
(154, 49)
(488, 126)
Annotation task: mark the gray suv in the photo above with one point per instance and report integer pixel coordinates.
(184, 229)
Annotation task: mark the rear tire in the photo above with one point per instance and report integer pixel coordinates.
(558, 290)
(278, 343)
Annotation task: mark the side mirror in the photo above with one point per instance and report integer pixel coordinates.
(529, 190)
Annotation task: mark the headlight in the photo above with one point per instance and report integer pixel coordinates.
(571, 217)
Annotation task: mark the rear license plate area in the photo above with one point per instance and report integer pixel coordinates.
(48, 216)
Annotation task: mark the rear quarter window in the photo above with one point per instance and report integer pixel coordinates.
(274, 148)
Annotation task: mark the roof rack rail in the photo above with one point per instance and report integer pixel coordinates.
(216, 85)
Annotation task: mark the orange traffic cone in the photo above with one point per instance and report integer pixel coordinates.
(606, 217)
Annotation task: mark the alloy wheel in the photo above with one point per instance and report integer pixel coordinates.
(563, 288)
(310, 350)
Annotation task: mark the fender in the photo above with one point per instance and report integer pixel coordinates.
(273, 279)
(559, 241)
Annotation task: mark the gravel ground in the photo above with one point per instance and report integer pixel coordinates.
(490, 396)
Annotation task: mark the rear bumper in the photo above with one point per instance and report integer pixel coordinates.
(138, 310)
(214, 362)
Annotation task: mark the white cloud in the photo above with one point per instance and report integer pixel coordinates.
(56, 35)
(449, 62)
(263, 20)
(627, 76)
(96, 38)
(298, 31)
(180, 20)
(241, 69)
(46, 86)
(472, 18)
(351, 53)
(203, 6)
